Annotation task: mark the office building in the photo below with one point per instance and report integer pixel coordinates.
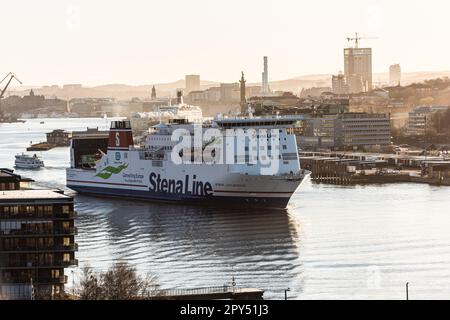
(346, 130)
(192, 83)
(420, 118)
(395, 75)
(339, 84)
(358, 69)
(364, 130)
(230, 92)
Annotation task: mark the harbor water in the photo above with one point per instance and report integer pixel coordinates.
(333, 242)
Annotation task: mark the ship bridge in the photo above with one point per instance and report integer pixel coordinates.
(286, 121)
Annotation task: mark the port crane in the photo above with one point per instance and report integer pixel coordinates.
(357, 38)
(11, 76)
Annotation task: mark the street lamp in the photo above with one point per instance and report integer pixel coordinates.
(73, 284)
(407, 291)
(285, 293)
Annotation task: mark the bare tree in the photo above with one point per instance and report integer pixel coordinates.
(90, 286)
(120, 282)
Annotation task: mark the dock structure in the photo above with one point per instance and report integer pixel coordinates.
(209, 293)
(351, 169)
(41, 146)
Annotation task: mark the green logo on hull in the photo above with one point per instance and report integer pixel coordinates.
(107, 172)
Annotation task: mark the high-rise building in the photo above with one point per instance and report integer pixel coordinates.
(358, 69)
(265, 78)
(395, 75)
(192, 83)
(339, 84)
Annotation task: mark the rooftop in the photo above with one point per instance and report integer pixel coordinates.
(32, 194)
(8, 173)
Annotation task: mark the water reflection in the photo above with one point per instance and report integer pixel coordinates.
(203, 245)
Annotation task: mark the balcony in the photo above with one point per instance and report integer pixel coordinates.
(10, 265)
(54, 248)
(40, 232)
(57, 280)
(35, 216)
(40, 280)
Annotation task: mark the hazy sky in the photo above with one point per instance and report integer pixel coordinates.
(143, 42)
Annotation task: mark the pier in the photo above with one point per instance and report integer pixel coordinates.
(360, 168)
(209, 293)
(41, 146)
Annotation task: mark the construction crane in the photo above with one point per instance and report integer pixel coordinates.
(357, 38)
(12, 76)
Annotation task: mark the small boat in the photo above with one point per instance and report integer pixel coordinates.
(25, 161)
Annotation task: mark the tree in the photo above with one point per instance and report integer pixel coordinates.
(119, 282)
(90, 288)
(440, 121)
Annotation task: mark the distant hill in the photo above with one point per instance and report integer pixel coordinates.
(125, 92)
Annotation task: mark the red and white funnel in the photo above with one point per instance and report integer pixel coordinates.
(120, 135)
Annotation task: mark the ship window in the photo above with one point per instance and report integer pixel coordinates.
(284, 147)
(125, 155)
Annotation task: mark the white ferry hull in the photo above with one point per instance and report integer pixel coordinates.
(226, 188)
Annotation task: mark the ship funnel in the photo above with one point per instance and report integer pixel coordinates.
(120, 135)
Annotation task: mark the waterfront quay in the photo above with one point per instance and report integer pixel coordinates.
(209, 293)
(348, 168)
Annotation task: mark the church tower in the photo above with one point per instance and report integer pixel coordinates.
(153, 93)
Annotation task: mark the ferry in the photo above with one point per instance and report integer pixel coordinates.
(180, 161)
(24, 161)
(140, 121)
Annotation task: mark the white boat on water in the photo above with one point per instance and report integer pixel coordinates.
(25, 161)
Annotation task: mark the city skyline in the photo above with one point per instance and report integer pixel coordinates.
(139, 43)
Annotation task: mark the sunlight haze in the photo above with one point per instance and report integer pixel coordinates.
(142, 42)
